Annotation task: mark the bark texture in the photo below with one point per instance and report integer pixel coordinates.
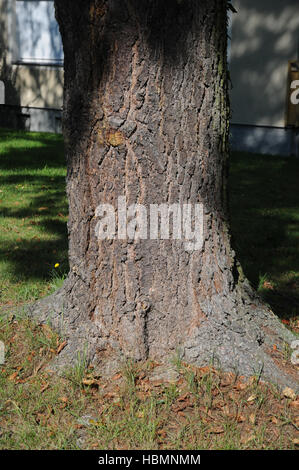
(146, 117)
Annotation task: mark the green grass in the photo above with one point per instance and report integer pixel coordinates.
(203, 408)
(33, 210)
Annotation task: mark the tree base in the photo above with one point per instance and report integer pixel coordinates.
(245, 343)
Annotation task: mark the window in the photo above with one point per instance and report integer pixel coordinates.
(37, 37)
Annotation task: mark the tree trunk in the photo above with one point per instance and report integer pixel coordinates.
(146, 117)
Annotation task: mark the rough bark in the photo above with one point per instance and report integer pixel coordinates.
(146, 116)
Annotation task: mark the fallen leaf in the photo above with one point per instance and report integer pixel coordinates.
(183, 397)
(216, 430)
(268, 285)
(61, 347)
(180, 407)
(289, 393)
(116, 376)
(63, 399)
(89, 382)
(13, 376)
(44, 387)
(294, 404)
(251, 398)
(241, 386)
(240, 419)
(252, 418)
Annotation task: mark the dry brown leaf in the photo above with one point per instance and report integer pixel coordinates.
(63, 399)
(296, 421)
(141, 375)
(252, 418)
(251, 398)
(61, 347)
(179, 407)
(162, 433)
(204, 370)
(294, 404)
(109, 395)
(241, 419)
(91, 381)
(13, 376)
(183, 397)
(116, 376)
(44, 387)
(289, 393)
(241, 386)
(268, 285)
(216, 430)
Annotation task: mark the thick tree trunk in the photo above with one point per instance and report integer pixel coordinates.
(146, 117)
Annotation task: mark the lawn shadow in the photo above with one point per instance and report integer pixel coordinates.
(30, 150)
(264, 206)
(34, 206)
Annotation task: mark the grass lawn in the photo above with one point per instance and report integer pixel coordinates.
(33, 210)
(200, 407)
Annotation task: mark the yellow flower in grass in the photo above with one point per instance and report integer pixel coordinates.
(56, 265)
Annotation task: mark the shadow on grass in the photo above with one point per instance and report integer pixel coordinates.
(33, 205)
(264, 206)
(30, 150)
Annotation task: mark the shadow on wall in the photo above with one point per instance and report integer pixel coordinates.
(265, 36)
(265, 140)
(33, 91)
